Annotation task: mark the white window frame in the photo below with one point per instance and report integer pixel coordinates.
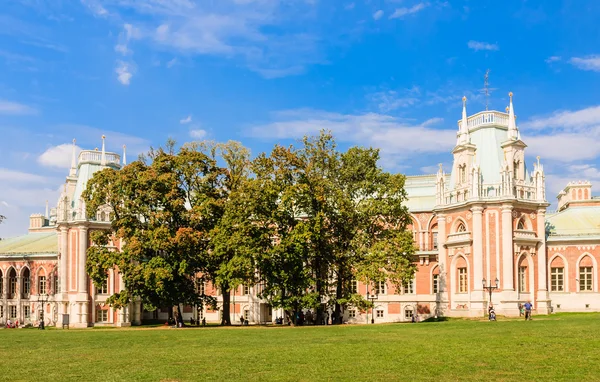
(586, 278)
(463, 280)
(379, 313)
(557, 279)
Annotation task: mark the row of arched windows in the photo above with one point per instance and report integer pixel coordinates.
(24, 289)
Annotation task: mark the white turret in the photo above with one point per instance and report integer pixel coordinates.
(103, 157)
(73, 170)
(513, 133)
(538, 179)
(440, 186)
(463, 131)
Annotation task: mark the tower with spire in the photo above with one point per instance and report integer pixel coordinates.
(492, 210)
(77, 297)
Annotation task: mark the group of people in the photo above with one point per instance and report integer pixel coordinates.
(12, 325)
(524, 309)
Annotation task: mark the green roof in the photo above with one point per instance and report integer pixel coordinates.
(30, 244)
(575, 221)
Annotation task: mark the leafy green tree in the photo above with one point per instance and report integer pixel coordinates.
(331, 213)
(281, 234)
(162, 210)
(229, 258)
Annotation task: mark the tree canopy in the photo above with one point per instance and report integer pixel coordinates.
(301, 224)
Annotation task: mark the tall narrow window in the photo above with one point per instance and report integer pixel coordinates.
(435, 240)
(1, 284)
(200, 286)
(26, 283)
(409, 288)
(557, 279)
(522, 279)
(436, 281)
(585, 279)
(380, 287)
(516, 170)
(42, 285)
(462, 280)
(12, 284)
(103, 289)
(246, 290)
(354, 286)
(26, 311)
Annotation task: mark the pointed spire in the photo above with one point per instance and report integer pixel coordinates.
(463, 133)
(512, 124)
(103, 157)
(73, 170)
(47, 213)
(124, 155)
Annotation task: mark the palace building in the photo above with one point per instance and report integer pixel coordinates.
(484, 224)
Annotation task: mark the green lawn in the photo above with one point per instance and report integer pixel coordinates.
(557, 347)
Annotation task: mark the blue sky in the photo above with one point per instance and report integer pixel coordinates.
(384, 73)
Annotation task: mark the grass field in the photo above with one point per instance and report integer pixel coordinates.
(557, 347)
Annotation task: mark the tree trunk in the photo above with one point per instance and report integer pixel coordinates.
(226, 316)
(338, 295)
(179, 315)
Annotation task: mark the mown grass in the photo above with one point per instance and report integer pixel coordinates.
(557, 347)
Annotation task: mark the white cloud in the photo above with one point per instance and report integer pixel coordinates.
(565, 135)
(12, 176)
(186, 120)
(377, 15)
(172, 62)
(124, 72)
(95, 7)
(567, 120)
(552, 59)
(233, 29)
(391, 100)
(15, 108)
(401, 12)
(58, 156)
(349, 6)
(587, 63)
(479, 45)
(198, 133)
(379, 130)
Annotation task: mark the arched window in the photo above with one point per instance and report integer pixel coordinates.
(461, 228)
(557, 275)
(586, 274)
(523, 279)
(585, 194)
(462, 276)
(434, 237)
(26, 283)
(42, 282)
(516, 165)
(102, 216)
(521, 224)
(12, 283)
(435, 280)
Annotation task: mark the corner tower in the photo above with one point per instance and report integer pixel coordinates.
(491, 219)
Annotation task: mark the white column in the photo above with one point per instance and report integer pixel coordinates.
(507, 249)
(477, 247)
(543, 301)
(64, 250)
(443, 264)
(81, 273)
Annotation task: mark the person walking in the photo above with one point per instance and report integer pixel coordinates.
(528, 307)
